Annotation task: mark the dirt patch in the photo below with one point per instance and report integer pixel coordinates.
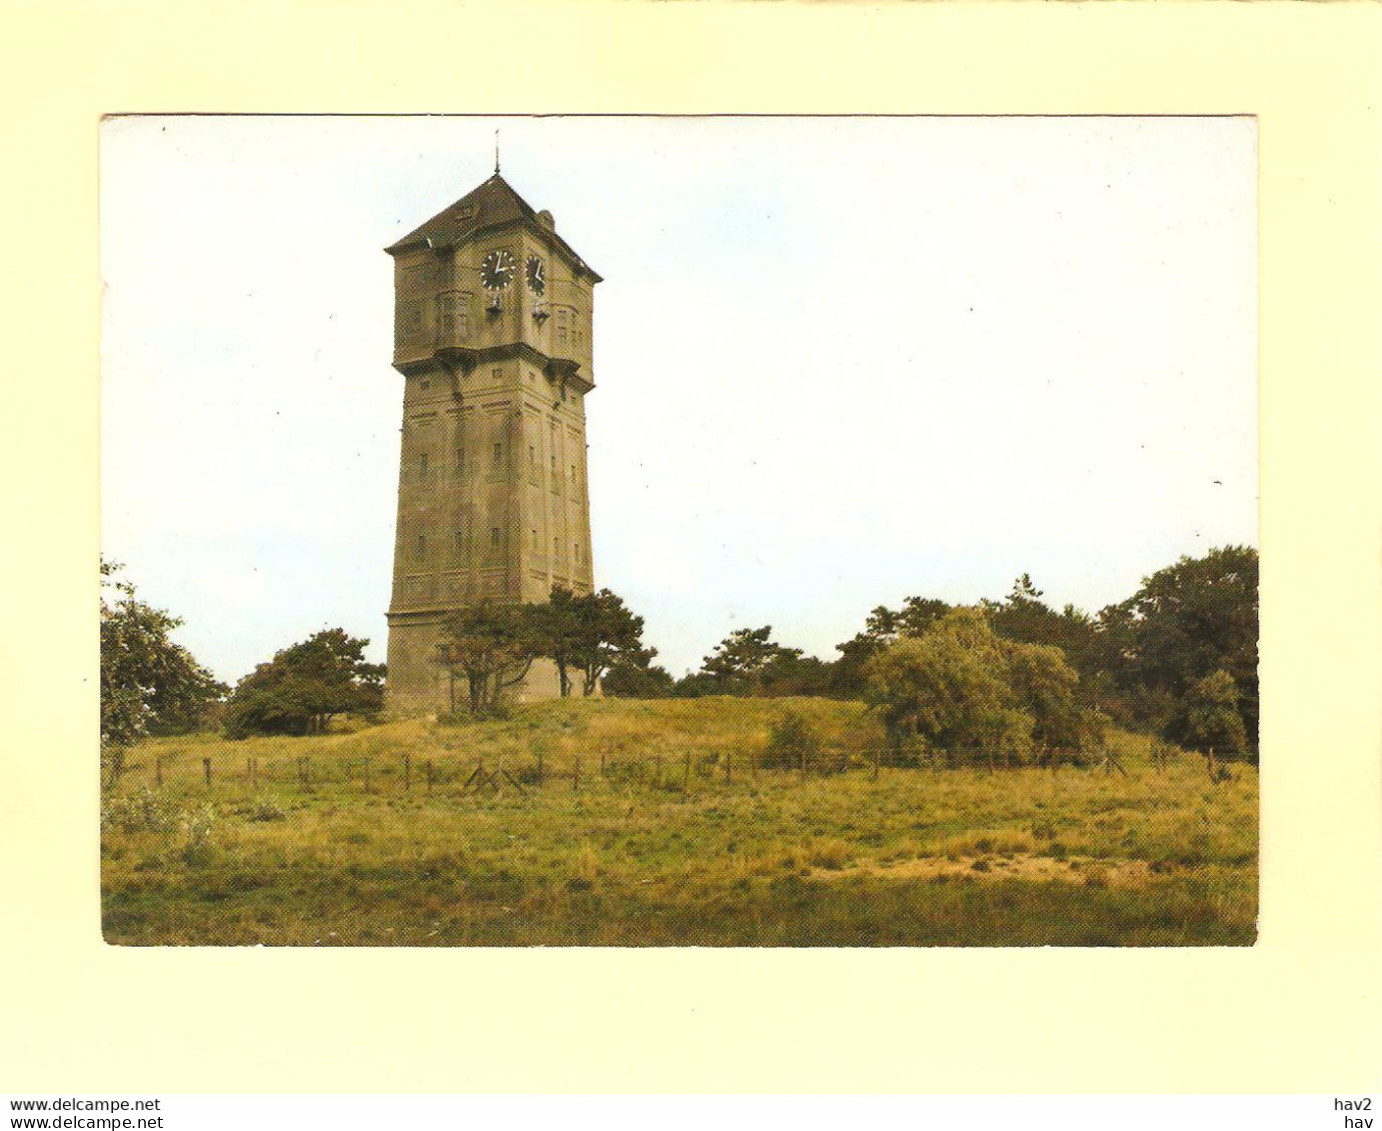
(1024, 866)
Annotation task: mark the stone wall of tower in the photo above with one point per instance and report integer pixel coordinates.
(493, 501)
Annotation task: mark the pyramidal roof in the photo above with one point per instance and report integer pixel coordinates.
(492, 205)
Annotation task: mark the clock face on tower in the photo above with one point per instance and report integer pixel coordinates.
(497, 270)
(537, 275)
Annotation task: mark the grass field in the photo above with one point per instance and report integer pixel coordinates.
(665, 837)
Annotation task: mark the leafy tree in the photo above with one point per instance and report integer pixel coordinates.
(587, 634)
(148, 683)
(608, 633)
(791, 673)
(1209, 721)
(962, 689)
(1024, 617)
(492, 648)
(740, 660)
(305, 685)
(946, 686)
(557, 627)
(693, 685)
(1187, 621)
(882, 627)
(1045, 686)
(629, 679)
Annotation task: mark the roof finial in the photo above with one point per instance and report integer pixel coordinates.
(496, 152)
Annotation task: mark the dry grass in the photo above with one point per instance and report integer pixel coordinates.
(633, 858)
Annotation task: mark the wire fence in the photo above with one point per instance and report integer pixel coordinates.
(462, 775)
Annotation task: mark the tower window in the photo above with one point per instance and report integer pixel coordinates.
(556, 547)
(578, 551)
(532, 460)
(421, 546)
(496, 373)
(460, 541)
(498, 454)
(534, 538)
(460, 461)
(422, 466)
(494, 536)
(451, 315)
(424, 384)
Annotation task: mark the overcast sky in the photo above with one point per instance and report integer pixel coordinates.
(838, 361)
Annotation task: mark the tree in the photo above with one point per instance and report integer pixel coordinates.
(882, 627)
(629, 679)
(962, 690)
(791, 673)
(1045, 685)
(1187, 621)
(1024, 617)
(148, 683)
(738, 663)
(947, 687)
(305, 685)
(1209, 721)
(557, 625)
(587, 634)
(491, 647)
(607, 633)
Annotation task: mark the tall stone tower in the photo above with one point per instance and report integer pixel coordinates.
(492, 333)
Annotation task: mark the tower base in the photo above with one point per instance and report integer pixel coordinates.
(417, 685)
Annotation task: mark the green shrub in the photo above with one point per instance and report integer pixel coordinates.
(146, 811)
(792, 740)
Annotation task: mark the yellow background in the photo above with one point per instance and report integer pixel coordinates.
(1299, 1012)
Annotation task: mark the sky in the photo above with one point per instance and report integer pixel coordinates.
(838, 361)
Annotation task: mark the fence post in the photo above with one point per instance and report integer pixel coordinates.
(206, 770)
(158, 772)
(407, 772)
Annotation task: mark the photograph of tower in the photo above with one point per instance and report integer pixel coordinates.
(493, 333)
(902, 590)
